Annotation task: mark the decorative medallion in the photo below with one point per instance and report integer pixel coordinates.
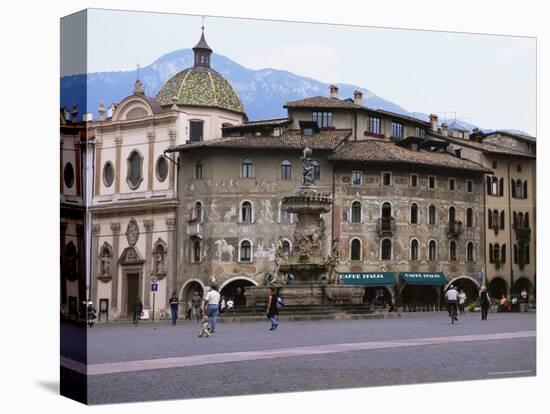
(132, 232)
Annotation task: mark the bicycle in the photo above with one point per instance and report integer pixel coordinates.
(452, 307)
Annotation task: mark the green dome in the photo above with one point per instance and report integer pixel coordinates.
(200, 87)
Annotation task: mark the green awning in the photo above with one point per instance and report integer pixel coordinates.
(424, 278)
(368, 278)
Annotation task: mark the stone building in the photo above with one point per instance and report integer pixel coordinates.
(135, 203)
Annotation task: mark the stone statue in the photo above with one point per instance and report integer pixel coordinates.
(105, 265)
(332, 262)
(308, 163)
(159, 263)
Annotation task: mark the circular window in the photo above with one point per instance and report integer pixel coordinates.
(108, 174)
(162, 168)
(68, 175)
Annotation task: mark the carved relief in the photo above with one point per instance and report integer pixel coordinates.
(224, 250)
(132, 232)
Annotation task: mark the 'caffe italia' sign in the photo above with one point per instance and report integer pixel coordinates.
(368, 278)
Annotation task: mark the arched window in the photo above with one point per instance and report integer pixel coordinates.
(501, 187)
(503, 253)
(198, 170)
(162, 168)
(489, 219)
(71, 261)
(432, 251)
(386, 210)
(356, 249)
(470, 252)
(386, 249)
(496, 253)
(494, 186)
(519, 189)
(247, 169)
(515, 254)
(431, 214)
(246, 212)
(515, 221)
(525, 189)
(526, 221)
(469, 217)
(245, 251)
(495, 219)
(491, 253)
(414, 213)
(197, 251)
(452, 214)
(502, 220)
(513, 187)
(197, 211)
(414, 250)
(356, 212)
(520, 220)
(452, 251)
(68, 175)
(286, 170)
(108, 174)
(134, 177)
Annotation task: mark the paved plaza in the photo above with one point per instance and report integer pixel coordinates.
(157, 361)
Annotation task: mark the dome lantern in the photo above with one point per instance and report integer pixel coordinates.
(202, 52)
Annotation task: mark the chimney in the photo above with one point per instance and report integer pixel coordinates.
(444, 129)
(476, 131)
(358, 98)
(333, 92)
(433, 122)
(101, 111)
(74, 113)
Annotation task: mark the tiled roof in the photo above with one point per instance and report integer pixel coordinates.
(321, 102)
(373, 150)
(293, 139)
(266, 122)
(204, 87)
(521, 137)
(483, 147)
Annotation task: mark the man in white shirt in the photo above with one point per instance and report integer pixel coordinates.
(211, 301)
(452, 298)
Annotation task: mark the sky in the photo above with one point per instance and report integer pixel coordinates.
(487, 80)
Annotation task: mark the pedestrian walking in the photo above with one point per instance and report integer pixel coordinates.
(196, 300)
(204, 327)
(461, 301)
(138, 310)
(174, 307)
(485, 302)
(211, 302)
(273, 309)
(524, 300)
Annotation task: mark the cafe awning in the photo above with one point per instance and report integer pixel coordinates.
(424, 278)
(368, 278)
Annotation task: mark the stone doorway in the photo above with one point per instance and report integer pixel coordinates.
(132, 291)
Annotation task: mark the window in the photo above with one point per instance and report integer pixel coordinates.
(108, 174)
(198, 170)
(470, 252)
(432, 251)
(452, 214)
(414, 180)
(451, 184)
(134, 177)
(496, 253)
(245, 251)
(503, 253)
(396, 130)
(68, 175)
(513, 187)
(197, 251)
(386, 249)
(356, 249)
(287, 246)
(494, 164)
(469, 218)
(419, 132)
(246, 212)
(515, 254)
(286, 170)
(525, 189)
(316, 170)
(162, 168)
(386, 178)
(414, 250)
(519, 189)
(414, 213)
(374, 125)
(196, 131)
(323, 119)
(469, 186)
(431, 215)
(197, 211)
(356, 177)
(247, 169)
(452, 251)
(356, 212)
(518, 168)
(501, 187)
(491, 253)
(431, 182)
(494, 186)
(502, 220)
(489, 219)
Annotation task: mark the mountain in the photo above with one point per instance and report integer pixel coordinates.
(263, 92)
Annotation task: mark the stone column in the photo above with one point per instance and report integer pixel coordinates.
(148, 224)
(98, 169)
(118, 143)
(170, 254)
(171, 166)
(115, 228)
(151, 159)
(78, 168)
(94, 297)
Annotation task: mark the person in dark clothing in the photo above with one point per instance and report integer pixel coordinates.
(485, 302)
(174, 307)
(272, 309)
(138, 309)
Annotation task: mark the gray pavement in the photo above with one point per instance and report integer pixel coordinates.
(302, 356)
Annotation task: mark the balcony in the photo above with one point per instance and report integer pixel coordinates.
(523, 234)
(455, 229)
(385, 226)
(194, 229)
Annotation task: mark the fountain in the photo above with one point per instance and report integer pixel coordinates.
(307, 275)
